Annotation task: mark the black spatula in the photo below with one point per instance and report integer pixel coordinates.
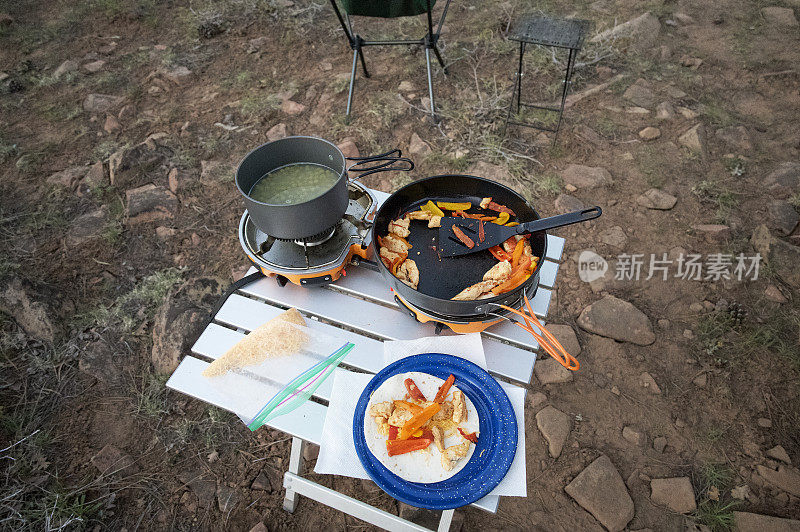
(451, 246)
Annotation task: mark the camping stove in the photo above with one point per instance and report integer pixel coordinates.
(460, 325)
(320, 259)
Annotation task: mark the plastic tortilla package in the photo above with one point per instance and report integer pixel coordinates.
(275, 368)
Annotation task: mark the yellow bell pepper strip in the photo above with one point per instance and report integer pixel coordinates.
(418, 420)
(432, 208)
(395, 447)
(518, 249)
(397, 262)
(413, 390)
(449, 206)
(512, 224)
(405, 405)
(502, 219)
(444, 389)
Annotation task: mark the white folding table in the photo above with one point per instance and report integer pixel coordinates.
(358, 308)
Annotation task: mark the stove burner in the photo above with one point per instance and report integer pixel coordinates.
(317, 239)
(317, 255)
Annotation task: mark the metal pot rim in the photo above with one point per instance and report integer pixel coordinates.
(342, 174)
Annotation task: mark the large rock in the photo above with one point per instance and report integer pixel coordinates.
(737, 138)
(96, 176)
(554, 426)
(749, 522)
(581, 176)
(150, 203)
(692, 139)
(68, 177)
(181, 319)
(641, 94)
(784, 259)
(277, 132)
(565, 203)
(142, 158)
(785, 478)
(600, 490)
(490, 171)
(100, 103)
(782, 17)
(665, 111)
(418, 147)
(65, 68)
(110, 460)
(550, 371)
(614, 236)
(566, 336)
(676, 494)
(785, 179)
(104, 362)
(657, 199)
(87, 228)
(32, 314)
(641, 31)
(614, 318)
(713, 232)
(782, 216)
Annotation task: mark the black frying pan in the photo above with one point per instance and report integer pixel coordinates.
(443, 278)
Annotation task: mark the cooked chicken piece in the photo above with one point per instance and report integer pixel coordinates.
(510, 247)
(499, 272)
(476, 290)
(459, 407)
(408, 273)
(383, 409)
(487, 295)
(399, 227)
(438, 437)
(527, 251)
(419, 215)
(453, 454)
(395, 244)
(435, 221)
(444, 412)
(485, 202)
(383, 425)
(399, 417)
(388, 256)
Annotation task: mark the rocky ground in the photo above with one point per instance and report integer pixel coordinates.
(123, 121)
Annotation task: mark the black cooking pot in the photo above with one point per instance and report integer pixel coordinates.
(310, 218)
(443, 278)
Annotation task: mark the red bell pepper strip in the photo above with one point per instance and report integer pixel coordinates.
(393, 431)
(492, 206)
(413, 390)
(444, 389)
(471, 436)
(463, 238)
(481, 232)
(395, 447)
(499, 253)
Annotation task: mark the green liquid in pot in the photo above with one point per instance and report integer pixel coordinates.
(293, 184)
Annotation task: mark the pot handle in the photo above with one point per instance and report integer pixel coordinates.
(385, 163)
(546, 339)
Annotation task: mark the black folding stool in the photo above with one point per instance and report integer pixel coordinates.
(567, 34)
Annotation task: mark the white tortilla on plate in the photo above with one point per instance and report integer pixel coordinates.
(418, 466)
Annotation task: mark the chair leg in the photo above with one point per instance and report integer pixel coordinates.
(439, 57)
(363, 63)
(430, 82)
(352, 81)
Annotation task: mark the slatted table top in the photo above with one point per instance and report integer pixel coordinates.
(358, 308)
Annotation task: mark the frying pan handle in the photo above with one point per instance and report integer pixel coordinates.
(560, 221)
(546, 340)
(385, 163)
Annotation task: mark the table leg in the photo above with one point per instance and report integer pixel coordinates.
(446, 519)
(296, 467)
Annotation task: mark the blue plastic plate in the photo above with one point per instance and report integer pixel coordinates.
(493, 454)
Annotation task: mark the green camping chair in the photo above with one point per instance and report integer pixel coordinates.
(390, 9)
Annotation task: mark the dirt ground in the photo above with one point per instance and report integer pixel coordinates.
(92, 264)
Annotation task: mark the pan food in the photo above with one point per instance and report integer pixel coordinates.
(515, 265)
